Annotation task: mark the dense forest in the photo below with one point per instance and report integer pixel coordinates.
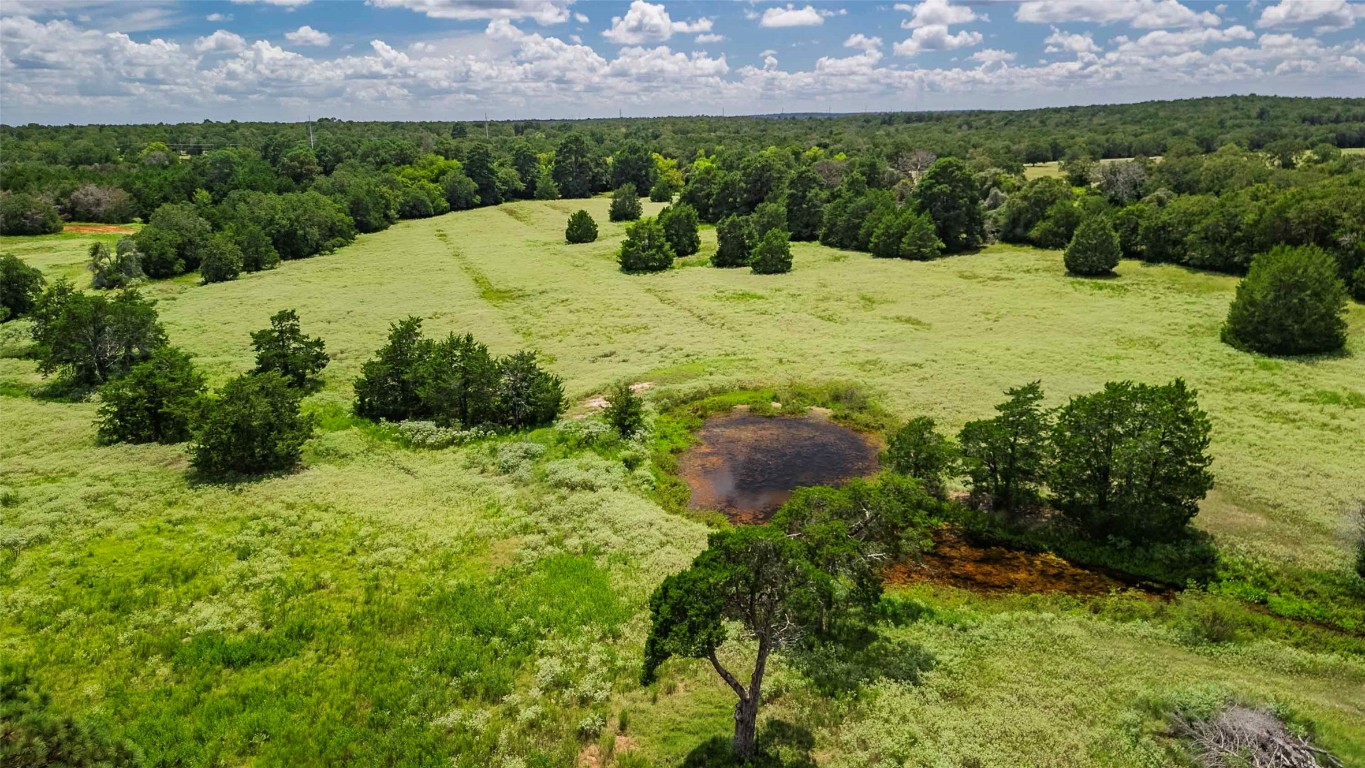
(1207, 182)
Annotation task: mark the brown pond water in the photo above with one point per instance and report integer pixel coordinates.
(746, 466)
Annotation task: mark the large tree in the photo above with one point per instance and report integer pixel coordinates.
(1292, 302)
(20, 287)
(1094, 248)
(951, 197)
(1132, 461)
(805, 205)
(645, 248)
(254, 425)
(155, 403)
(92, 339)
(1007, 457)
(680, 227)
(808, 573)
(575, 167)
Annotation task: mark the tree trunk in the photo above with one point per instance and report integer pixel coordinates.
(746, 729)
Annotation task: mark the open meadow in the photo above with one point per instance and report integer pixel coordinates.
(386, 604)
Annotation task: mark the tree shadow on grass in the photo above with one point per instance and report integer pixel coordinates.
(780, 745)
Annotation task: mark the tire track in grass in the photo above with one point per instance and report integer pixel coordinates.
(494, 296)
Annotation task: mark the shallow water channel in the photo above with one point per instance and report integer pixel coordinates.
(746, 466)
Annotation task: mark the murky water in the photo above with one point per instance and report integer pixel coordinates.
(746, 466)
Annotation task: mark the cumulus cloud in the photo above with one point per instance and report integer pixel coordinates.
(993, 56)
(935, 13)
(1070, 42)
(791, 16)
(1143, 14)
(542, 12)
(1163, 42)
(218, 17)
(306, 35)
(709, 38)
(1325, 15)
(281, 3)
(221, 41)
(935, 37)
(648, 22)
(863, 41)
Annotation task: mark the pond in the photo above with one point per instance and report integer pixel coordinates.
(746, 466)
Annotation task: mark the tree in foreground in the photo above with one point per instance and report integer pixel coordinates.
(920, 451)
(680, 227)
(1006, 457)
(625, 204)
(155, 403)
(92, 339)
(20, 287)
(625, 410)
(254, 425)
(1132, 461)
(810, 573)
(772, 255)
(581, 228)
(735, 240)
(457, 381)
(284, 349)
(1292, 302)
(1094, 249)
(646, 248)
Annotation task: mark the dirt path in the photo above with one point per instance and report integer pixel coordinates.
(99, 229)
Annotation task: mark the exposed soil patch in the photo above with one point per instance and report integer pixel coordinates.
(99, 229)
(746, 466)
(955, 562)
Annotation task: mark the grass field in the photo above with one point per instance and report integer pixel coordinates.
(404, 606)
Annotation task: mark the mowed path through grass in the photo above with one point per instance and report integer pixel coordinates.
(943, 338)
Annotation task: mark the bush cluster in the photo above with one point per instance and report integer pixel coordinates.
(455, 381)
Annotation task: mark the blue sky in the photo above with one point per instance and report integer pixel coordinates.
(104, 61)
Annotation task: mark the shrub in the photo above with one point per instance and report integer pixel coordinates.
(457, 381)
(920, 451)
(767, 217)
(646, 248)
(92, 339)
(1094, 249)
(680, 227)
(170, 243)
(1006, 457)
(625, 204)
(663, 189)
(284, 349)
(109, 205)
(34, 732)
(581, 228)
(119, 269)
(24, 214)
(258, 251)
(20, 287)
(921, 241)
(253, 426)
(735, 238)
(220, 260)
(1360, 539)
(1292, 302)
(528, 395)
(772, 255)
(155, 403)
(1132, 461)
(625, 410)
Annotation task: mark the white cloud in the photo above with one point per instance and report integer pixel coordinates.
(1163, 42)
(935, 13)
(218, 17)
(281, 3)
(1326, 15)
(936, 38)
(306, 35)
(709, 38)
(1143, 14)
(221, 41)
(791, 16)
(540, 11)
(993, 56)
(650, 22)
(1069, 42)
(863, 41)
(581, 18)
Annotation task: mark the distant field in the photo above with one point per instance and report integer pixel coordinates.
(325, 616)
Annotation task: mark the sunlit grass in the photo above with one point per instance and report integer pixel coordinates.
(337, 614)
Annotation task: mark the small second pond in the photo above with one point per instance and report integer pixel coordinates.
(746, 466)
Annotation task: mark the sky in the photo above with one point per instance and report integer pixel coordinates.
(121, 61)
